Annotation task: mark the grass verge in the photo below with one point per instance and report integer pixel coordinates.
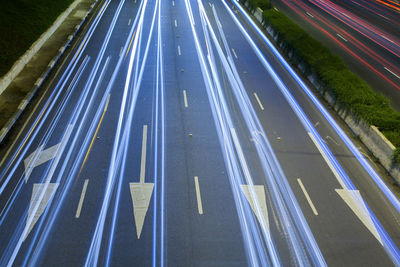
(21, 24)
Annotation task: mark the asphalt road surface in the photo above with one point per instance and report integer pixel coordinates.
(173, 134)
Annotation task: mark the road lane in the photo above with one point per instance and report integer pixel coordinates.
(247, 158)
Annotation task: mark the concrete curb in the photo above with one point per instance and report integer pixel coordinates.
(39, 82)
(370, 135)
(35, 47)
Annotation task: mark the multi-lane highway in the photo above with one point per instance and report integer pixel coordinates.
(174, 134)
(364, 33)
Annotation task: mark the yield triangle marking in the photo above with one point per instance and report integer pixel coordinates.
(255, 195)
(141, 195)
(354, 200)
(40, 156)
(41, 195)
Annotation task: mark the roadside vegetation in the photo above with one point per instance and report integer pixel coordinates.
(350, 91)
(21, 24)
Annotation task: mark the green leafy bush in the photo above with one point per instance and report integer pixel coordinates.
(21, 24)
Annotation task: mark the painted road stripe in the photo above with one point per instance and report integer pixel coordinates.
(130, 43)
(198, 195)
(179, 50)
(129, 22)
(322, 152)
(173, 3)
(176, 23)
(78, 210)
(185, 99)
(234, 53)
(398, 77)
(383, 36)
(309, 14)
(95, 134)
(341, 37)
(383, 16)
(259, 102)
(307, 197)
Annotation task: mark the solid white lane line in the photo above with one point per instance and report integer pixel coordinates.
(185, 99)
(259, 102)
(179, 50)
(309, 14)
(234, 53)
(176, 23)
(398, 77)
(78, 210)
(307, 196)
(322, 152)
(198, 195)
(143, 160)
(341, 37)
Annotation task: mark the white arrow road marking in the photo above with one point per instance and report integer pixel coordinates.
(352, 197)
(333, 169)
(40, 156)
(354, 200)
(41, 195)
(141, 195)
(141, 192)
(255, 195)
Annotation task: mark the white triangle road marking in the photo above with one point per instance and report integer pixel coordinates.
(255, 195)
(35, 159)
(40, 156)
(141, 194)
(354, 200)
(41, 195)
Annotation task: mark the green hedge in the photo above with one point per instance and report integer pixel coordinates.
(253, 4)
(21, 24)
(350, 91)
